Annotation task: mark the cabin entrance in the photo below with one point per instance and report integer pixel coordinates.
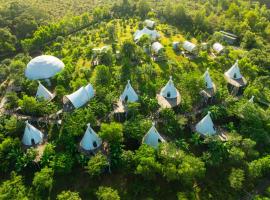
(168, 94)
(33, 142)
(95, 144)
(126, 98)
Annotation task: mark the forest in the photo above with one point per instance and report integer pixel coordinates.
(143, 99)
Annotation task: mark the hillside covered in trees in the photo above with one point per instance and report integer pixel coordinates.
(138, 99)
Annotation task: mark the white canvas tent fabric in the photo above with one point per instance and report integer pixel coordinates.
(218, 47)
(153, 138)
(149, 23)
(42, 92)
(206, 126)
(43, 67)
(129, 94)
(208, 80)
(81, 96)
(234, 72)
(190, 47)
(153, 34)
(90, 140)
(31, 135)
(169, 91)
(156, 47)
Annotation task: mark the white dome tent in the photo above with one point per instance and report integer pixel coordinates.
(43, 67)
(208, 81)
(129, 94)
(43, 92)
(90, 140)
(169, 91)
(32, 136)
(206, 126)
(153, 138)
(79, 97)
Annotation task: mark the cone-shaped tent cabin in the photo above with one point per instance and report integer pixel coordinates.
(32, 136)
(169, 96)
(153, 138)
(236, 82)
(43, 93)
(206, 126)
(128, 96)
(210, 89)
(251, 100)
(90, 140)
(78, 98)
(43, 67)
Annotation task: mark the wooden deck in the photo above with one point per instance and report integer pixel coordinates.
(209, 92)
(120, 107)
(168, 103)
(40, 150)
(236, 82)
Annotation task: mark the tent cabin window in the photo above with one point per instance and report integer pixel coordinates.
(95, 144)
(33, 142)
(159, 141)
(168, 94)
(126, 98)
(234, 76)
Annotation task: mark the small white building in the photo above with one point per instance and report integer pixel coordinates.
(43, 67)
(149, 23)
(218, 48)
(153, 138)
(43, 93)
(190, 47)
(157, 47)
(153, 34)
(129, 94)
(32, 136)
(90, 141)
(206, 126)
(78, 98)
